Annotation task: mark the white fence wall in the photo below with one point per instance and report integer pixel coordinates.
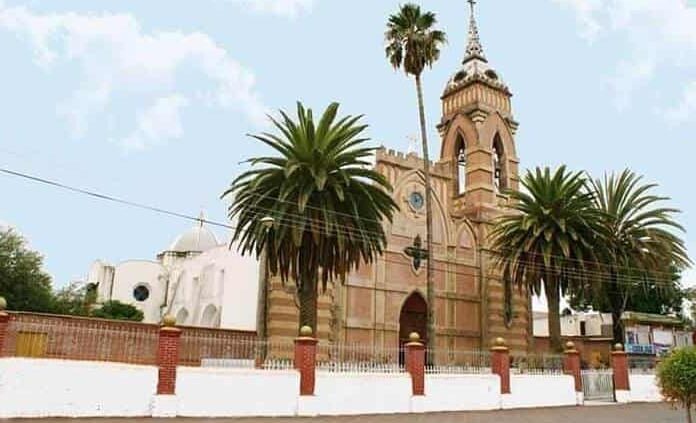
(540, 391)
(359, 393)
(62, 388)
(459, 393)
(644, 388)
(217, 392)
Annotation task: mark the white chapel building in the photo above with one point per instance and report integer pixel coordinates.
(198, 279)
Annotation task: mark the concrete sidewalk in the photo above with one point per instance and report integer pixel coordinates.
(634, 413)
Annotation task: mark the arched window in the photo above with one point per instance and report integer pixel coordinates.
(182, 317)
(499, 179)
(209, 317)
(461, 165)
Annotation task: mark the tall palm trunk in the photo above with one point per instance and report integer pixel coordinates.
(553, 299)
(428, 218)
(616, 299)
(308, 303)
(261, 307)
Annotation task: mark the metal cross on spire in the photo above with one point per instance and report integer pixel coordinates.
(474, 48)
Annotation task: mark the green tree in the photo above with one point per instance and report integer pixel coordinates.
(117, 310)
(327, 206)
(23, 282)
(548, 239)
(665, 296)
(412, 44)
(76, 299)
(676, 376)
(639, 237)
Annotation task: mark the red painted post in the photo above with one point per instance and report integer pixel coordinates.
(415, 364)
(619, 363)
(168, 356)
(500, 364)
(4, 322)
(306, 360)
(571, 365)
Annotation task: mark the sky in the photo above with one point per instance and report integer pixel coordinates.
(151, 101)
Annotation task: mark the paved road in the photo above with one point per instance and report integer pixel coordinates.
(635, 413)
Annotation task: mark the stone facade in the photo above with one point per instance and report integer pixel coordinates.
(381, 303)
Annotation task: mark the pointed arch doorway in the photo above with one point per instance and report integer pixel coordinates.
(413, 318)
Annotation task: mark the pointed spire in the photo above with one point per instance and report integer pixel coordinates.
(474, 48)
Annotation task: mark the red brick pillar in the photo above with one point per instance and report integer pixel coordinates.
(619, 363)
(168, 356)
(571, 365)
(500, 364)
(306, 360)
(415, 364)
(4, 322)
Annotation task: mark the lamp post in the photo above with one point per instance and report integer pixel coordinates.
(267, 223)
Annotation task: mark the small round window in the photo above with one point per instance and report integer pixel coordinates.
(141, 293)
(416, 200)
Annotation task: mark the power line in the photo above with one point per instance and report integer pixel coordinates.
(296, 219)
(112, 198)
(293, 220)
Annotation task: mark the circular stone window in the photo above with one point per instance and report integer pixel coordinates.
(141, 293)
(416, 201)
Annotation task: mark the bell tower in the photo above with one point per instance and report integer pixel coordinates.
(477, 130)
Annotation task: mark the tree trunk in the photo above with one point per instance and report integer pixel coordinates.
(428, 219)
(553, 298)
(689, 419)
(261, 299)
(261, 334)
(308, 304)
(616, 300)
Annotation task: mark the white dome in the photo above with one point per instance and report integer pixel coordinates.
(196, 239)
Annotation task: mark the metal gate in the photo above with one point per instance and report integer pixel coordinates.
(598, 385)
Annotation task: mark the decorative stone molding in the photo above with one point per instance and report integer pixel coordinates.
(478, 117)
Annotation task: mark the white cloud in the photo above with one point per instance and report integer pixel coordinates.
(118, 60)
(289, 8)
(159, 122)
(655, 35)
(585, 10)
(686, 108)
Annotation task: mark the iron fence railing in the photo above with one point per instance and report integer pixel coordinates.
(359, 358)
(546, 364)
(445, 361)
(218, 350)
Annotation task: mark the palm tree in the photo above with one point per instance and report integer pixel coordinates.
(413, 43)
(639, 238)
(548, 240)
(327, 205)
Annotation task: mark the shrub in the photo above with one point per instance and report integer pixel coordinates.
(676, 376)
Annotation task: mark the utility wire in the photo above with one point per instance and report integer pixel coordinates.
(296, 219)
(293, 220)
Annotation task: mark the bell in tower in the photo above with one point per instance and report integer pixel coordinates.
(477, 129)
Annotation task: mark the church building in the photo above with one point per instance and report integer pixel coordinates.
(197, 279)
(382, 303)
(203, 282)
